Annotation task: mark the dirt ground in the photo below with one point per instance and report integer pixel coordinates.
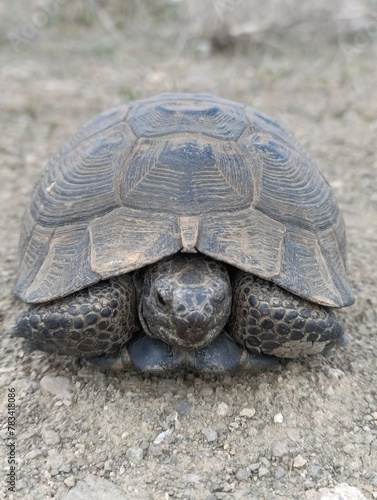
(307, 431)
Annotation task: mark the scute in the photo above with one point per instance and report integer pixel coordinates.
(289, 186)
(84, 181)
(189, 172)
(186, 176)
(190, 113)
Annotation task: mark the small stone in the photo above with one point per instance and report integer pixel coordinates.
(206, 391)
(255, 466)
(334, 373)
(160, 437)
(342, 491)
(70, 481)
(33, 454)
(279, 474)
(28, 385)
(135, 454)
(144, 444)
(155, 451)
(247, 412)
(374, 415)
(21, 484)
(6, 379)
(243, 473)
(278, 418)
(192, 478)
(349, 448)
(222, 409)
(95, 488)
(147, 416)
(50, 437)
(61, 387)
(293, 434)
(263, 471)
(210, 434)
(182, 406)
(280, 449)
(65, 468)
(299, 461)
(108, 466)
(165, 386)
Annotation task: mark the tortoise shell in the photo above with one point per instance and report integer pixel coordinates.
(183, 173)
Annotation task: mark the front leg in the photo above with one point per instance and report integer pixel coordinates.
(268, 319)
(99, 319)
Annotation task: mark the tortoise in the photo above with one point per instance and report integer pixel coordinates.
(182, 231)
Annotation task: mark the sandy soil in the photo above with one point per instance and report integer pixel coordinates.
(307, 431)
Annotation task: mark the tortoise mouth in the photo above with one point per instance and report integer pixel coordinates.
(188, 335)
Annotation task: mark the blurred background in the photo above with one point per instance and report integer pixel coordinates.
(312, 65)
(287, 56)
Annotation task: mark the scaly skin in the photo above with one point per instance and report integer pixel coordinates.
(268, 319)
(186, 320)
(96, 320)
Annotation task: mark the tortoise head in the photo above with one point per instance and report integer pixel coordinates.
(184, 300)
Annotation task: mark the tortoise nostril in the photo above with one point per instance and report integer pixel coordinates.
(208, 308)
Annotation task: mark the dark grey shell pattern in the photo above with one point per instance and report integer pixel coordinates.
(183, 172)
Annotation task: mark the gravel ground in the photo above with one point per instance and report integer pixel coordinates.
(307, 431)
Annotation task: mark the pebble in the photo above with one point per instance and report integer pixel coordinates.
(255, 466)
(278, 418)
(135, 454)
(95, 488)
(313, 470)
(108, 465)
(192, 478)
(279, 474)
(167, 386)
(342, 491)
(210, 434)
(50, 437)
(6, 379)
(33, 454)
(65, 468)
(293, 434)
(206, 391)
(334, 373)
(280, 449)
(222, 409)
(28, 385)
(70, 481)
(263, 471)
(160, 437)
(243, 473)
(299, 461)
(147, 416)
(59, 386)
(349, 448)
(247, 412)
(183, 406)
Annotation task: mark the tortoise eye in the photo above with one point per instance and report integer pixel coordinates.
(160, 299)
